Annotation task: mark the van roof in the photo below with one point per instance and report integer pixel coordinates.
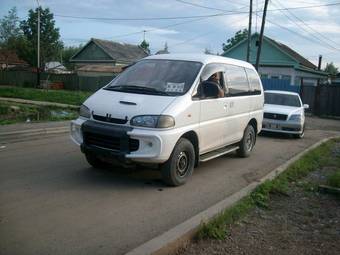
(281, 92)
(203, 58)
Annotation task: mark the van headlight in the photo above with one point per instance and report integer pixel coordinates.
(84, 112)
(295, 117)
(153, 121)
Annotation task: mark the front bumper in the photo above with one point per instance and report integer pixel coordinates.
(154, 146)
(282, 126)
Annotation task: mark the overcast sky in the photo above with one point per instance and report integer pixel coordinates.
(195, 34)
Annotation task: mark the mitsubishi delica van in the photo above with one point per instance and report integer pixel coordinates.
(173, 111)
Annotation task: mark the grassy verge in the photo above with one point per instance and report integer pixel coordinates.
(333, 180)
(217, 228)
(56, 96)
(15, 113)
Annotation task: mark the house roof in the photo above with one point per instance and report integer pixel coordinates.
(302, 61)
(10, 57)
(284, 48)
(122, 52)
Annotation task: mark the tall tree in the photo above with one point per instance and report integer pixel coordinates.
(331, 69)
(67, 53)
(239, 36)
(50, 45)
(9, 28)
(145, 45)
(11, 35)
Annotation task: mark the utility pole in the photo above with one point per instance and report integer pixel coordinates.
(38, 47)
(261, 35)
(249, 29)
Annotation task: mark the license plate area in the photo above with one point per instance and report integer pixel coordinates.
(274, 126)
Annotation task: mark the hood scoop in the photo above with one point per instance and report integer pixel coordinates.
(127, 102)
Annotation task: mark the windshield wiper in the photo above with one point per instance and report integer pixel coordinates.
(137, 88)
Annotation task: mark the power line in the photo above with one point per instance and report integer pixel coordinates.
(295, 33)
(197, 37)
(311, 28)
(314, 37)
(151, 18)
(156, 29)
(208, 7)
(225, 13)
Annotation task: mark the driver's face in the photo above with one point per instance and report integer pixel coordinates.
(215, 77)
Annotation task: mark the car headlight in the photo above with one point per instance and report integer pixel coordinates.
(295, 117)
(84, 112)
(153, 121)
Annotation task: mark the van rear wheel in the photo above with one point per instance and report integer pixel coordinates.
(247, 143)
(180, 166)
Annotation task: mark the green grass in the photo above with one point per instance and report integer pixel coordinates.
(56, 96)
(15, 113)
(217, 228)
(334, 179)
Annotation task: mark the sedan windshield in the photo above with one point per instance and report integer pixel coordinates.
(282, 99)
(157, 77)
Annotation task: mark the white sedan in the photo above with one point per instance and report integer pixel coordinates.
(284, 113)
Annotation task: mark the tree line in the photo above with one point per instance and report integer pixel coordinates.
(20, 36)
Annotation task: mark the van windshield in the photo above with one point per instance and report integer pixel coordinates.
(157, 77)
(282, 99)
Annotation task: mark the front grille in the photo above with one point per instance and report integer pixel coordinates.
(274, 116)
(109, 142)
(110, 119)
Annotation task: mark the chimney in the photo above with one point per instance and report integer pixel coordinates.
(319, 64)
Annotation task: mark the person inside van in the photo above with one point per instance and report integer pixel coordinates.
(215, 81)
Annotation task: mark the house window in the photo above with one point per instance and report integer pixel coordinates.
(286, 77)
(275, 77)
(264, 76)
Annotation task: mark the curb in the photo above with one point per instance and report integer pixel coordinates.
(6, 137)
(43, 103)
(170, 241)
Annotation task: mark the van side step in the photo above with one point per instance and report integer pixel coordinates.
(219, 152)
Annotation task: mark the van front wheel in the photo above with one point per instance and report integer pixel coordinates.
(247, 143)
(180, 166)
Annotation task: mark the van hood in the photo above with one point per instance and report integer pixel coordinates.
(281, 109)
(126, 105)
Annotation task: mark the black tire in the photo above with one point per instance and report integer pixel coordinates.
(180, 166)
(299, 136)
(248, 142)
(95, 162)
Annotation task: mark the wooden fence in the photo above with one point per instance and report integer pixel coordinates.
(70, 81)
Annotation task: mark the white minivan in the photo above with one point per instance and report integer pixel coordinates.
(173, 111)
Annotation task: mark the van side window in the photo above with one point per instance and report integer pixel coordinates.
(212, 82)
(237, 81)
(254, 81)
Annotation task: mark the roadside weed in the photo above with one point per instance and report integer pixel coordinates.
(217, 228)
